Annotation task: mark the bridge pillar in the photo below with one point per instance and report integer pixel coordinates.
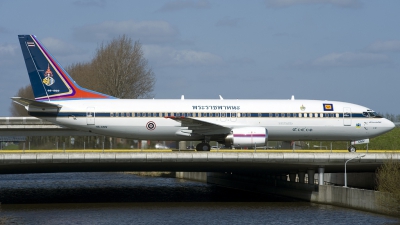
(182, 145)
(301, 175)
(321, 171)
(292, 176)
(311, 174)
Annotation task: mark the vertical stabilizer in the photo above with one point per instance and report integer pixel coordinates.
(48, 79)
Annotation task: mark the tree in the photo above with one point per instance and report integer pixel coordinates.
(118, 69)
(81, 73)
(18, 110)
(121, 70)
(388, 180)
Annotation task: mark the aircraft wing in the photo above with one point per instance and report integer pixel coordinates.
(200, 127)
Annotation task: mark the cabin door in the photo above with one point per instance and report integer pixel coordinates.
(90, 116)
(346, 116)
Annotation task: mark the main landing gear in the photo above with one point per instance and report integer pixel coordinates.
(203, 147)
(352, 148)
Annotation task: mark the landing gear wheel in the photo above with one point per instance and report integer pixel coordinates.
(352, 148)
(203, 147)
(206, 147)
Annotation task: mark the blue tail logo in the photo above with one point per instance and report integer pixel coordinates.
(48, 79)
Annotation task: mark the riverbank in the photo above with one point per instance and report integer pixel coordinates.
(360, 199)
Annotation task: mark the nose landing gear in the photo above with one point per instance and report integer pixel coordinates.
(352, 148)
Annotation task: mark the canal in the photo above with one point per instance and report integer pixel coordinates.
(124, 198)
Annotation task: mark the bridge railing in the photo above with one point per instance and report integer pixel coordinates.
(23, 121)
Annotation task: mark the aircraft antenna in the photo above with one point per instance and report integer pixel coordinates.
(292, 97)
(220, 97)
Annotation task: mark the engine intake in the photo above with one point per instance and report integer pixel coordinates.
(247, 137)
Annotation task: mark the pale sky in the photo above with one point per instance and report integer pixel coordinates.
(343, 50)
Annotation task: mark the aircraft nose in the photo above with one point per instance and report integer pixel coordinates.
(389, 124)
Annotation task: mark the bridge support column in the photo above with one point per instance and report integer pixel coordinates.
(292, 176)
(321, 171)
(301, 175)
(182, 145)
(311, 174)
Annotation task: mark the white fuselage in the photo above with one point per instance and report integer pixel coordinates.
(284, 119)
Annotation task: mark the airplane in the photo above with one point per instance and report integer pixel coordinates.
(237, 123)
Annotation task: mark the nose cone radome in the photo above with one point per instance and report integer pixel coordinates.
(389, 125)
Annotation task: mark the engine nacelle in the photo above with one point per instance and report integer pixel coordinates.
(358, 142)
(247, 137)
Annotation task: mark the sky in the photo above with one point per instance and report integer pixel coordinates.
(338, 50)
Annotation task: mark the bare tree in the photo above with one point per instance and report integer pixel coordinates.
(19, 110)
(121, 70)
(82, 74)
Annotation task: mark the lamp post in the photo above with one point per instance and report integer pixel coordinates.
(345, 164)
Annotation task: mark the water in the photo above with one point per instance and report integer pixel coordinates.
(120, 198)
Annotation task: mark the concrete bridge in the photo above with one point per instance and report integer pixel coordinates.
(258, 172)
(282, 164)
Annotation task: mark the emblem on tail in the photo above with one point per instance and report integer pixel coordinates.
(48, 77)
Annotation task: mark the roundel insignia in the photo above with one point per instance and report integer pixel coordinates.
(151, 125)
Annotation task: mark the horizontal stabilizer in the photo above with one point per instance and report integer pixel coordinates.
(29, 102)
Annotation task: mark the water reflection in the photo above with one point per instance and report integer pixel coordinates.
(119, 198)
(115, 187)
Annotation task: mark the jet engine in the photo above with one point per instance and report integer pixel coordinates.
(247, 137)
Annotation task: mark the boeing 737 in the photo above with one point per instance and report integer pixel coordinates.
(237, 123)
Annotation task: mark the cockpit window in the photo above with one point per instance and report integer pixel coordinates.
(371, 114)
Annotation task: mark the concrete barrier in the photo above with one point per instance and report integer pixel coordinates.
(361, 199)
(367, 200)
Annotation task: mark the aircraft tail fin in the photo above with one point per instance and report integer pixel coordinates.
(48, 79)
